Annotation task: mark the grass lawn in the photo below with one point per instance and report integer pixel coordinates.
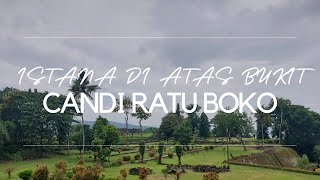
(211, 157)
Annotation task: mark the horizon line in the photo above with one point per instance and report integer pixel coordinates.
(159, 37)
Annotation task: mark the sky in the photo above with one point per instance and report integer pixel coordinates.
(152, 18)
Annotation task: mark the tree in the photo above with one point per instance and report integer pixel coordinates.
(303, 130)
(263, 122)
(79, 86)
(141, 115)
(111, 135)
(316, 151)
(98, 130)
(126, 107)
(5, 127)
(30, 122)
(179, 153)
(76, 136)
(104, 135)
(234, 124)
(160, 151)
(193, 118)
(204, 126)
(142, 148)
(168, 123)
(183, 133)
(279, 117)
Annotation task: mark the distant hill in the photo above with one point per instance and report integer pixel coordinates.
(119, 125)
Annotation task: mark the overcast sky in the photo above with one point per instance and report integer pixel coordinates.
(165, 18)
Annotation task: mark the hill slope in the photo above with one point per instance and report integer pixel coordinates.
(279, 157)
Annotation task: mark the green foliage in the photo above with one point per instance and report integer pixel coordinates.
(152, 130)
(168, 123)
(111, 135)
(160, 151)
(25, 174)
(98, 130)
(41, 173)
(303, 129)
(204, 126)
(280, 117)
(142, 149)
(76, 135)
(103, 153)
(303, 162)
(194, 118)
(79, 86)
(316, 151)
(183, 133)
(141, 115)
(126, 107)
(5, 127)
(179, 153)
(27, 122)
(234, 124)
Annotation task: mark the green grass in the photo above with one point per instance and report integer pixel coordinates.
(211, 157)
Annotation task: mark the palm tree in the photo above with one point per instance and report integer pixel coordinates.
(79, 86)
(127, 107)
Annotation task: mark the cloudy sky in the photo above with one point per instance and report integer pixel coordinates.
(149, 18)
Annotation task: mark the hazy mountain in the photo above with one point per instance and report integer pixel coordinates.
(118, 125)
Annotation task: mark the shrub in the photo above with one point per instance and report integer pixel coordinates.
(126, 158)
(9, 170)
(303, 162)
(86, 173)
(41, 173)
(61, 168)
(152, 153)
(206, 148)
(211, 176)
(211, 147)
(25, 174)
(160, 151)
(61, 165)
(142, 148)
(179, 153)
(137, 157)
(156, 157)
(132, 161)
(170, 154)
(123, 173)
(143, 173)
(120, 161)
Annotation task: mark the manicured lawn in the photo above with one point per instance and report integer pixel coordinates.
(211, 157)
